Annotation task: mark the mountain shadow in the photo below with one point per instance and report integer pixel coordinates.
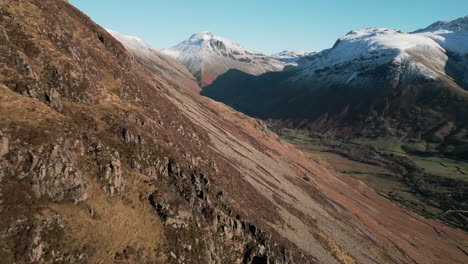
(377, 104)
(457, 68)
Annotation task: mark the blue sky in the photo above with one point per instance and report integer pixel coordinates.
(268, 26)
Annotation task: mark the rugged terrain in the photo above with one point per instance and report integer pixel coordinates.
(400, 93)
(106, 160)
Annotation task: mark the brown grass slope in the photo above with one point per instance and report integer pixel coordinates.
(103, 161)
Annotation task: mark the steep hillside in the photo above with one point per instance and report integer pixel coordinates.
(156, 61)
(207, 56)
(104, 161)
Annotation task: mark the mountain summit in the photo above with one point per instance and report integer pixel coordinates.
(457, 25)
(207, 56)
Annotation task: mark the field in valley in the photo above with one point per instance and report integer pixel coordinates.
(430, 185)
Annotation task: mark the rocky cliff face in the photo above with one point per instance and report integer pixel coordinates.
(104, 161)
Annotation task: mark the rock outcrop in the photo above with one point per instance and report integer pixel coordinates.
(52, 171)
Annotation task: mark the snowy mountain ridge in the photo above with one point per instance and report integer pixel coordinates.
(291, 55)
(425, 51)
(457, 25)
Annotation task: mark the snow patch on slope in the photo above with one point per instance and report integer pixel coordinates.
(132, 43)
(156, 61)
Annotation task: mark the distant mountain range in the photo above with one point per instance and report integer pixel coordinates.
(374, 82)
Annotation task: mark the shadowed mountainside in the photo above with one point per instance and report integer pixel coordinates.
(392, 99)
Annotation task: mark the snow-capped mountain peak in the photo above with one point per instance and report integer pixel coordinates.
(206, 37)
(207, 56)
(206, 42)
(202, 35)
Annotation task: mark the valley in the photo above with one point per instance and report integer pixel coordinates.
(430, 185)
